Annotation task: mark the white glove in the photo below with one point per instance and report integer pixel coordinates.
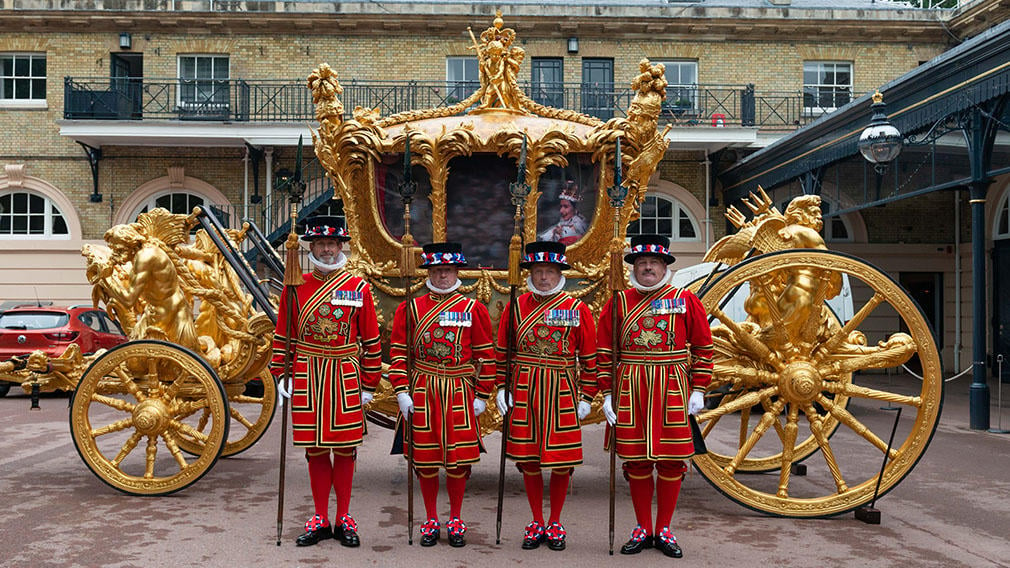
(608, 411)
(584, 409)
(503, 403)
(479, 406)
(696, 403)
(406, 404)
(281, 391)
(366, 397)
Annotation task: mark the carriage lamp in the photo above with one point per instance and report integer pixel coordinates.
(573, 44)
(125, 40)
(880, 143)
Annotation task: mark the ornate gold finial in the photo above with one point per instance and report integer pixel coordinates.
(650, 83)
(498, 61)
(325, 88)
(877, 97)
(498, 21)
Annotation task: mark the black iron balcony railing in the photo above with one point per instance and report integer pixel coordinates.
(239, 100)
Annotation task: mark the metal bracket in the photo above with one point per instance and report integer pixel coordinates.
(94, 155)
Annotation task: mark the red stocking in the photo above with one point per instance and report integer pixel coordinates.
(670, 474)
(320, 472)
(639, 476)
(428, 479)
(343, 475)
(534, 482)
(455, 485)
(560, 478)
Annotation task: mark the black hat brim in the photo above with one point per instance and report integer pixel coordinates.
(528, 265)
(311, 238)
(667, 258)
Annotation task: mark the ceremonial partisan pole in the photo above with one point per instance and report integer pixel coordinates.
(406, 189)
(519, 190)
(292, 280)
(616, 193)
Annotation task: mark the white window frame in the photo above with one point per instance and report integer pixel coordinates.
(677, 88)
(829, 236)
(50, 210)
(678, 209)
(816, 87)
(31, 102)
(151, 202)
(465, 85)
(1002, 213)
(197, 102)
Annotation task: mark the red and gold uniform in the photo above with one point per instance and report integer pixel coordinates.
(336, 363)
(453, 360)
(664, 352)
(554, 365)
(335, 314)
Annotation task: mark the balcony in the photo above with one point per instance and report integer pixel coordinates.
(289, 101)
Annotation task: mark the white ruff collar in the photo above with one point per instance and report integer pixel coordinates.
(438, 290)
(327, 268)
(662, 282)
(551, 292)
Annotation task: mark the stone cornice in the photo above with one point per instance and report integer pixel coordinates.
(978, 17)
(545, 21)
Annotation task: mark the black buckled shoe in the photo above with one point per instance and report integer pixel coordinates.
(639, 541)
(456, 529)
(667, 544)
(533, 536)
(315, 531)
(347, 532)
(556, 536)
(429, 532)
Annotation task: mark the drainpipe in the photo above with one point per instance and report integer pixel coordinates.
(245, 184)
(271, 220)
(708, 199)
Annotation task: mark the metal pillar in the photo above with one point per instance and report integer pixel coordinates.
(978, 401)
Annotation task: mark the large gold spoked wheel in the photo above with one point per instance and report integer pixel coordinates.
(135, 404)
(250, 413)
(788, 363)
(763, 458)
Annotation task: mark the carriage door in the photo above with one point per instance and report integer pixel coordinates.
(127, 83)
(598, 87)
(1001, 305)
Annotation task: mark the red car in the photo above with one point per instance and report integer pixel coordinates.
(51, 329)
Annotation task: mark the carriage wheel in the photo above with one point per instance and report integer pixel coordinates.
(250, 417)
(756, 461)
(776, 380)
(133, 406)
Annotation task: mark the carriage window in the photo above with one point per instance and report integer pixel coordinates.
(388, 176)
(567, 200)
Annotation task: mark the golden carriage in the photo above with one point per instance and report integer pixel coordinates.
(782, 354)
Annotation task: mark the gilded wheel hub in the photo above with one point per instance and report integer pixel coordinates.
(800, 382)
(151, 417)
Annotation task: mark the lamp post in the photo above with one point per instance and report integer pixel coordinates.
(880, 143)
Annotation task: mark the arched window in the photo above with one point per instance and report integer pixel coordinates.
(1001, 228)
(31, 215)
(181, 202)
(837, 228)
(664, 215)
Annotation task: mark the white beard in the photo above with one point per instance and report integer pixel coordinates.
(327, 268)
(438, 290)
(551, 292)
(662, 282)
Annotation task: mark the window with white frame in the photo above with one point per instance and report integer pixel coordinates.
(827, 85)
(462, 78)
(203, 81)
(682, 88)
(836, 228)
(22, 78)
(179, 202)
(664, 215)
(26, 214)
(1001, 230)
